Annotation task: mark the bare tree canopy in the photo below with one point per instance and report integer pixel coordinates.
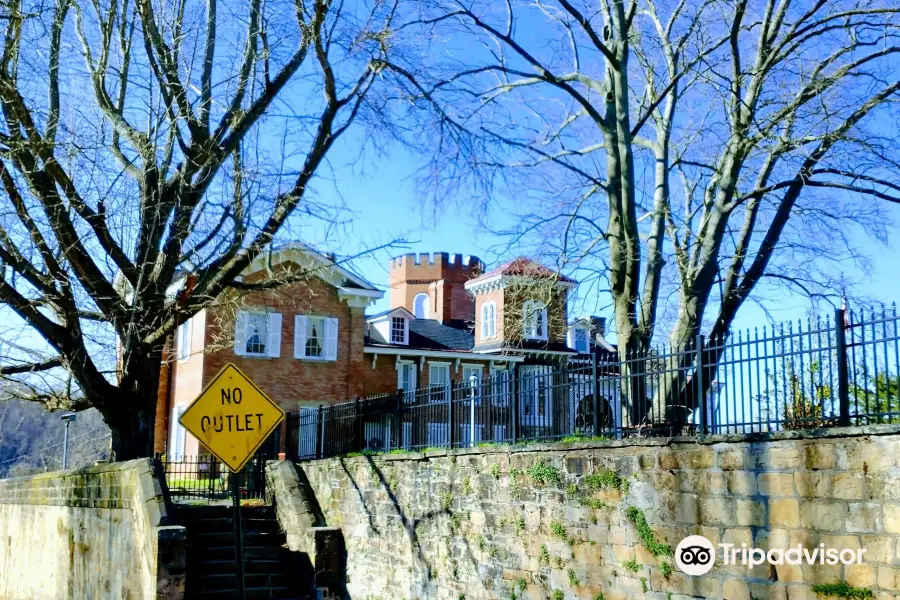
(145, 139)
(683, 150)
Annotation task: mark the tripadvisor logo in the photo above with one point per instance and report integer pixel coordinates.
(696, 555)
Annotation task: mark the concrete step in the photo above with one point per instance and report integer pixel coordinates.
(227, 552)
(220, 581)
(203, 566)
(281, 593)
(227, 524)
(252, 539)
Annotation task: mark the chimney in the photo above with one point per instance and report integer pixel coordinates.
(598, 328)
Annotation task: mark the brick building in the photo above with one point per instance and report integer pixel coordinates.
(310, 343)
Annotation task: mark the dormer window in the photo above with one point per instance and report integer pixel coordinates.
(399, 330)
(488, 320)
(534, 320)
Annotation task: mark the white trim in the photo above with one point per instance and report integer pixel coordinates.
(438, 362)
(389, 314)
(488, 324)
(500, 281)
(439, 353)
(531, 310)
(405, 340)
(427, 312)
(474, 365)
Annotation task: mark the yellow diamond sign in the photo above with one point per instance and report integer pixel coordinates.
(232, 417)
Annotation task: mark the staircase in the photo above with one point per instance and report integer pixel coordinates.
(270, 569)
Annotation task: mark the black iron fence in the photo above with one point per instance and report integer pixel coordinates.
(819, 373)
(204, 478)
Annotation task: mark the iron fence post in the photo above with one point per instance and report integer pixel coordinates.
(701, 399)
(320, 432)
(472, 411)
(840, 339)
(357, 426)
(450, 415)
(238, 534)
(514, 402)
(595, 392)
(398, 417)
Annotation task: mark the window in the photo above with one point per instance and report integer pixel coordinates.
(581, 340)
(534, 320)
(536, 397)
(176, 445)
(257, 334)
(420, 306)
(488, 320)
(315, 338)
(439, 382)
(406, 381)
(183, 340)
(399, 334)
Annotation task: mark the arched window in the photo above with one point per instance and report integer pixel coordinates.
(420, 306)
(534, 320)
(488, 320)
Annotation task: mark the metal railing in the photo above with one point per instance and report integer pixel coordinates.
(205, 478)
(822, 373)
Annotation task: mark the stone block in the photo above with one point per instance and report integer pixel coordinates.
(823, 515)
(849, 486)
(749, 513)
(864, 517)
(717, 511)
(776, 484)
(891, 518)
(889, 578)
(813, 483)
(863, 575)
(784, 512)
(819, 455)
(784, 457)
(742, 483)
(731, 459)
(735, 589)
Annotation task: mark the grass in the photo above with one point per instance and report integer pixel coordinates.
(557, 529)
(594, 503)
(632, 565)
(558, 595)
(606, 480)
(544, 474)
(544, 556)
(495, 470)
(570, 439)
(841, 589)
(653, 545)
(666, 569)
(573, 578)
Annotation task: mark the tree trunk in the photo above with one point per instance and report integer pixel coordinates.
(132, 417)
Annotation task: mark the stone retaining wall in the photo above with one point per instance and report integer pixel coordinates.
(563, 521)
(100, 532)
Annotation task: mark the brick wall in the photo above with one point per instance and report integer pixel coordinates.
(561, 521)
(382, 379)
(287, 380)
(100, 532)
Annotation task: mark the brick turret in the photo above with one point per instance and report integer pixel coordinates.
(439, 275)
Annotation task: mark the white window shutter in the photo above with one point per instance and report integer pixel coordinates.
(299, 336)
(331, 338)
(484, 321)
(570, 338)
(189, 333)
(273, 344)
(240, 334)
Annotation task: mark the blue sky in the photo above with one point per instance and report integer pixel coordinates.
(385, 202)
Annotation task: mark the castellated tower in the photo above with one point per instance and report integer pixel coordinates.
(431, 285)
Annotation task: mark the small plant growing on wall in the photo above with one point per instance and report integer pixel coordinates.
(632, 565)
(841, 589)
(544, 556)
(558, 529)
(606, 480)
(495, 470)
(545, 474)
(558, 595)
(573, 578)
(653, 545)
(520, 525)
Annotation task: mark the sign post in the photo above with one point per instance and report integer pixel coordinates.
(232, 418)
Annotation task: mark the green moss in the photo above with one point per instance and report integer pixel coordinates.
(606, 480)
(558, 529)
(545, 474)
(558, 595)
(594, 503)
(573, 578)
(666, 569)
(572, 490)
(632, 565)
(467, 486)
(455, 521)
(446, 501)
(362, 453)
(584, 438)
(520, 525)
(600, 596)
(842, 589)
(544, 556)
(656, 548)
(495, 470)
(523, 584)
(644, 584)
(479, 541)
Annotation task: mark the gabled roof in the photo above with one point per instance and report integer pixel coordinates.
(399, 309)
(522, 267)
(429, 334)
(317, 263)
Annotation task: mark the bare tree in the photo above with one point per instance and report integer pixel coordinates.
(149, 151)
(683, 150)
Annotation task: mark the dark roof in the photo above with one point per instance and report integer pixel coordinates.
(525, 267)
(384, 312)
(529, 346)
(428, 334)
